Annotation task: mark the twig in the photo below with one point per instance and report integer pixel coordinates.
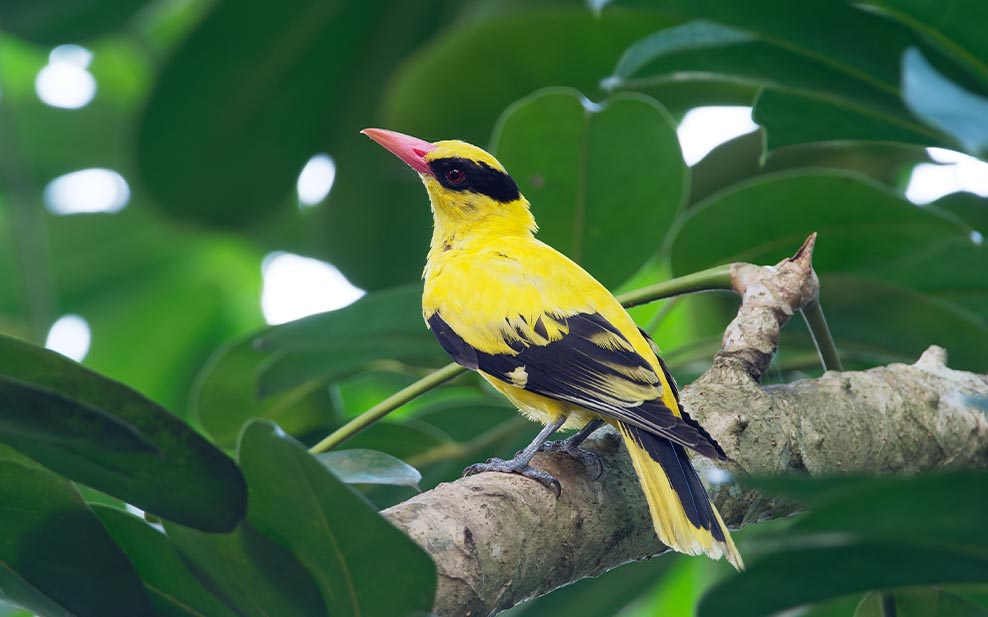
(386, 406)
(820, 331)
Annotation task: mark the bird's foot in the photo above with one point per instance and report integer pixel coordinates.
(589, 459)
(515, 466)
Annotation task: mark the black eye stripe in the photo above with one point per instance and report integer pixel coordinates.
(480, 178)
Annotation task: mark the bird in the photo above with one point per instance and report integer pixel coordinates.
(553, 340)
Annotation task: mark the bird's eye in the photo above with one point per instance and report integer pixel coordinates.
(455, 176)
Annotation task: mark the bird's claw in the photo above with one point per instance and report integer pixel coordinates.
(589, 459)
(512, 466)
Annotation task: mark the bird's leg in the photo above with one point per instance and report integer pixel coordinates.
(571, 446)
(520, 463)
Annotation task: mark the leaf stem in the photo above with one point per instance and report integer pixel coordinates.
(705, 280)
(713, 279)
(817, 323)
(386, 406)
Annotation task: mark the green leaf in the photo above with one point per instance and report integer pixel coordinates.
(924, 602)
(38, 415)
(50, 22)
(125, 270)
(832, 33)
(952, 272)
(403, 440)
(892, 323)
(822, 55)
(9, 610)
(970, 208)
(359, 466)
(248, 571)
(943, 104)
(866, 533)
(859, 224)
(691, 36)
(173, 590)
(318, 63)
(705, 52)
(783, 116)
(180, 476)
(377, 202)
(952, 26)
(817, 574)
(521, 51)
(743, 158)
(55, 557)
(923, 508)
(603, 595)
(224, 396)
(321, 348)
(627, 141)
(337, 535)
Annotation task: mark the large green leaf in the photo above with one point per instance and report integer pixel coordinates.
(377, 224)
(9, 610)
(859, 224)
(922, 602)
(953, 26)
(705, 51)
(891, 323)
(743, 157)
(225, 396)
(604, 595)
(864, 534)
(179, 475)
(833, 33)
(35, 414)
(55, 558)
(255, 91)
(791, 578)
(248, 571)
(197, 289)
(784, 115)
(822, 56)
(943, 104)
(628, 141)
(970, 208)
(912, 507)
(875, 507)
(520, 52)
(327, 346)
(173, 590)
(337, 535)
(953, 272)
(50, 22)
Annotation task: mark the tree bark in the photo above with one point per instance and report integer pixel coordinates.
(499, 539)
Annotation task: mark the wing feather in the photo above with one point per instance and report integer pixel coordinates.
(582, 359)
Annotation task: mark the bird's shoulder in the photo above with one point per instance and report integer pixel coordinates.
(487, 292)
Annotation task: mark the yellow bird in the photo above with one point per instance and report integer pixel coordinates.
(553, 340)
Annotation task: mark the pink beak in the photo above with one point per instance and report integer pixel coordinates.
(409, 149)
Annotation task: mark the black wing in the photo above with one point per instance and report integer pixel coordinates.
(593, 365)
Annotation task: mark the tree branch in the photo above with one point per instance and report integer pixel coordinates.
(499, 539)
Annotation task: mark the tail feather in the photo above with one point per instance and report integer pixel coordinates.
(683, 516)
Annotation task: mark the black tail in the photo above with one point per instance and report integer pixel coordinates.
(681, 510)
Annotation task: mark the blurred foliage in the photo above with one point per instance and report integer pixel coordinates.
(210, 110)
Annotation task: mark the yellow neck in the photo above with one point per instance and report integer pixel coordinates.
(459, 226)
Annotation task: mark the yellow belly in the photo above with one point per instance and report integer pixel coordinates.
(538, 408)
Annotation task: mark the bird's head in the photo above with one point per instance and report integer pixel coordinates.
(468, 187)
